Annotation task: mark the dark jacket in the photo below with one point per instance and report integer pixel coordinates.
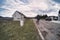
(38, 17)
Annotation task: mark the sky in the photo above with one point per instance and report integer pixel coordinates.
(29, 7)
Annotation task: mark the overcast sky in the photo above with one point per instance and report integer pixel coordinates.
(49, 7)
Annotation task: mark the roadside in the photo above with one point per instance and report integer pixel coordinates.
(39, 32)
(48, 30)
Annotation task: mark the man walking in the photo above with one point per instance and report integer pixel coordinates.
(38, 18)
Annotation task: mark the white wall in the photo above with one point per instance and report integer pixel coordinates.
(17, 17)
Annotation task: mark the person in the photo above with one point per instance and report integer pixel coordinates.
(38, 19)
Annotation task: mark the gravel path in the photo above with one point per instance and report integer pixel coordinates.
(49, 30)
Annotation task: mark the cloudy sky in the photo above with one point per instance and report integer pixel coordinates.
(49, 7)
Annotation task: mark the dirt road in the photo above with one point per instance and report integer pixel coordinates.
(48, 30)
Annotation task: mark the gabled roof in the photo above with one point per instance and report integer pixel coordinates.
(20, 13)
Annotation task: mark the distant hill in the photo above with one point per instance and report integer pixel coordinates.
(5, 18)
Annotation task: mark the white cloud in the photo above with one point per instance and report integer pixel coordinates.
(30, 14)
(13, 5)
(41, 4)
(53, 14)
(7, 13)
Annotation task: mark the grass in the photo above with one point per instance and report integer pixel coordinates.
(11, 30)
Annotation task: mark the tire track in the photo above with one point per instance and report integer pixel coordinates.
(46, 34)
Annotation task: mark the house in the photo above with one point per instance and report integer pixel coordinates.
(18, 16)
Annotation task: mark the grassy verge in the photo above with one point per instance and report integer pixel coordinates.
(11, 30)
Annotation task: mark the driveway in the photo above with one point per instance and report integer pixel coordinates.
(48, 30)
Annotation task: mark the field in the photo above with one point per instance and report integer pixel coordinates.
(11, 30)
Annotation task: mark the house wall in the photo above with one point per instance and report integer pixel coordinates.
(17, 17)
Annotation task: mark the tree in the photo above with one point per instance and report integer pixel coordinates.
(44, 16)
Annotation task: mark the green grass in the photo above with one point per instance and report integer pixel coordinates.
(11, 30)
